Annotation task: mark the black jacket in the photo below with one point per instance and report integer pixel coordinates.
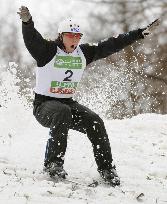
(43, 50)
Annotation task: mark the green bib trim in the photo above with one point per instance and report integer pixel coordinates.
(64, 84)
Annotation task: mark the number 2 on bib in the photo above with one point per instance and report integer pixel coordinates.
(69, 73)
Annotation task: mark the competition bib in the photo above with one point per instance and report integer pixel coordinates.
(60, 77)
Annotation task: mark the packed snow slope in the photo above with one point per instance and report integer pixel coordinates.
(139, 147)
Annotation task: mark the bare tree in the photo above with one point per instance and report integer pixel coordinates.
(143, 64)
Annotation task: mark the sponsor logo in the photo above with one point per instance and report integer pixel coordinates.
(63, 87)
(62, 90)
(64, 84)
(68, 62)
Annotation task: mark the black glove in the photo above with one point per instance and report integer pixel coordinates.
(148, 30)
(24, 14)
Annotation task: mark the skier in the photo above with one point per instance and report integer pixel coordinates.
(60, 67)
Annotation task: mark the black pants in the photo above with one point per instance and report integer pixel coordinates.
(60, 115)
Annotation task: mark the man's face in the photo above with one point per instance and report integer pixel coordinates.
(71, 40)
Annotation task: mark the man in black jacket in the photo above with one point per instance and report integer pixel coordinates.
(60, 67)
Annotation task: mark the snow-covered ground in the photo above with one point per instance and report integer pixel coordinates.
(139, 147)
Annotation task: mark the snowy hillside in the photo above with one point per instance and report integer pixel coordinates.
(139, 147)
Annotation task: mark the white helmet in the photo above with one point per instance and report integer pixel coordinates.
(69, 26)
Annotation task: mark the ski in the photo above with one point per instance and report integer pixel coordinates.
(92, 184)
(72, 181)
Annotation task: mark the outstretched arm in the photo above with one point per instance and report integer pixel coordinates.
(114, 44)
(40, 49)
(109, 46)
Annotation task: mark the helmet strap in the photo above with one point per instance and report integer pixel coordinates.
(61, 37)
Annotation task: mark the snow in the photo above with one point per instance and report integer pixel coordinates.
(139, 147)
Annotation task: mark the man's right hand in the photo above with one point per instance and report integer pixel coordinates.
(24, 14)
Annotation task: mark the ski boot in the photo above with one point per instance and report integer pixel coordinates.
(55, 170)
(110, 176)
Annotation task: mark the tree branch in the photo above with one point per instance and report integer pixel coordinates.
(116, 2)
(151, 76)
(112, 1)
